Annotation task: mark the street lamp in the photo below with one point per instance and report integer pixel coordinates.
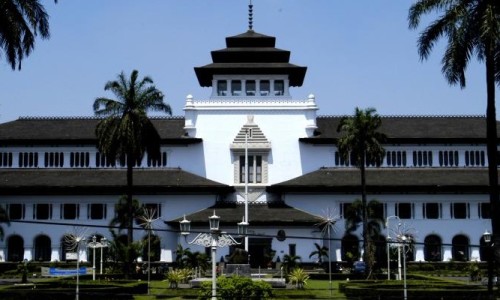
(214, 239)
(93, 245)
(403, 238)
(487, 239)
(389, 247)
(103, 243)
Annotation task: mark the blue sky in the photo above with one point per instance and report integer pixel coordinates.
(358, 53)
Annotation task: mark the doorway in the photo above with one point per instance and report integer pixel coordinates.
(261, 252)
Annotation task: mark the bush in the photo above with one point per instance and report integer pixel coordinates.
(236, 287)
(299, 277)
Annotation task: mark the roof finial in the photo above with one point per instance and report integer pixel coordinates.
(250, 16)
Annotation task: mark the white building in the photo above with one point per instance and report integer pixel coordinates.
(434, 176)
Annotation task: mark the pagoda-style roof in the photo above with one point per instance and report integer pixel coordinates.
(412, 129)
(388, 180)
(250, 53)
(270, 214)
(105, 181)
(81, 130)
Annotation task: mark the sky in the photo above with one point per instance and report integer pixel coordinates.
(358, 53)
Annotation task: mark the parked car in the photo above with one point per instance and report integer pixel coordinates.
(359, 267)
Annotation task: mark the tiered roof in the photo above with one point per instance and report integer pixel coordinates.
(250, 53)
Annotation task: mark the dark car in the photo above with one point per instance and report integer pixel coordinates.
(359, 267)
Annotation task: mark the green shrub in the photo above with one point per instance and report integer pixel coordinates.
(236, 287)
(298, 277)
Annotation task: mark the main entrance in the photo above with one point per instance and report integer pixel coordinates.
(261, 253)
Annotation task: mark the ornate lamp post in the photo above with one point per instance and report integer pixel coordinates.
(214, 239)
(93, 245)
(389, 246)
(489, 244)
(147, 218)
(403, 239)
(103, 244)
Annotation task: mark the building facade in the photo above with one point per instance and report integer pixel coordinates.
(433, 181)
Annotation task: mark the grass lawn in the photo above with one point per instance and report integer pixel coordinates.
(315, 289)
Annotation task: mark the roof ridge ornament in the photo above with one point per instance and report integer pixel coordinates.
(250, 16)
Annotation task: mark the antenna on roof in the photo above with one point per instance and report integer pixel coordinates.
(250, 16)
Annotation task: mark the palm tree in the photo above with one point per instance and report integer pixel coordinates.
(290, 262)
(472, 29)
(180, 256)
(20, 23)
(362, 143)
(320, 252)
(125, 133)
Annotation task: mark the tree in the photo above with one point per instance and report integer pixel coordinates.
(472, 29)
(362, 143)
(320, 252)
(20, 23)
(375, 224)
(291, 262)
(125, 133)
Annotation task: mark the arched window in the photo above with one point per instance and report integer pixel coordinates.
(460, 248)
(15, 248)
(432, 248)
(350, 248)
(42, 248)
(484, 251)
(155, 248)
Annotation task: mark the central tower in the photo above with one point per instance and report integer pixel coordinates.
(250, 108)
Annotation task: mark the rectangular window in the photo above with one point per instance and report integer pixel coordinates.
(42, 211)
(432, 210)
(422, 158)
(292, 249)
(485, 210)
(460, 210)
(79, 159)
(254, 169)
(250, 87)
(221, 88)
(160, 161)
(70, 211)
(404, 210)
(279, 87)
(54, 159)
(236, 87)
(97, 211)
(265, 88)
(16, 211)
(377, 211)
(5, 159)
(154, 207)
(28, 159)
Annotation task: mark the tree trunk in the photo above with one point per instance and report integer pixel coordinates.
(130, 211)
(364, 203)
(491, 136)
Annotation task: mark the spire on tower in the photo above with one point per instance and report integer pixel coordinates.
(250, 16)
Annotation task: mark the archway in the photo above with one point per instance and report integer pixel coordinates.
(350, 248)
(42, 248)
(460, 248)
(432, 248)
(15, 248)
